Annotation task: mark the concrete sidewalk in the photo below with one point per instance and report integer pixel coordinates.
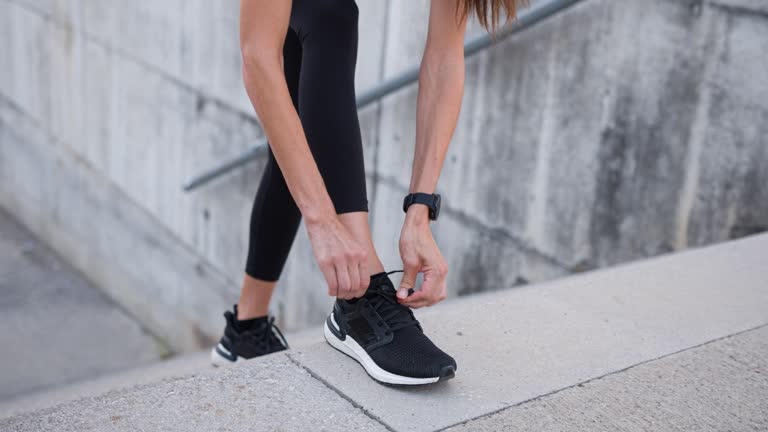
(673, 343)
(173, 367)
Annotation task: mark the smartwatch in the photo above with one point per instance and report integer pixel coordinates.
(430, 200)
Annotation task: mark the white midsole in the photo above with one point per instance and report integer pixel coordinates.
(351, 348)
(218, 359)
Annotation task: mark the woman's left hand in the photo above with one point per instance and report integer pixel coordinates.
(420, 254)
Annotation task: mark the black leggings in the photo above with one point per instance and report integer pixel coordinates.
(320, 53)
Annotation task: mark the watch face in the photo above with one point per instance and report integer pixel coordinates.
(437, 206)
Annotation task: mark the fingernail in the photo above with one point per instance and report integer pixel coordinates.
(402, 293)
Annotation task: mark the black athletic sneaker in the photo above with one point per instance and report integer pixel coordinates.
(385, 337)
(260, 338)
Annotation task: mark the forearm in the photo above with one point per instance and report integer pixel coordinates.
(268, 91)
(263, 26)
(441, 87)
(441, 83)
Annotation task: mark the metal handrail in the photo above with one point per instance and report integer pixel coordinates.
(526, 18)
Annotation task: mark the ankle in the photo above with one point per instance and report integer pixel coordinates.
(252, 318)
(247, 312)
(254, 298)
(241, 325)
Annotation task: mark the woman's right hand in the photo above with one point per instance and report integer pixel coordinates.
(342, 260)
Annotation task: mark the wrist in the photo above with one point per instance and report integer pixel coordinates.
(319, 216)
(417, 215)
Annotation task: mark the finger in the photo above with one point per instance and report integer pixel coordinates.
(354, 279)
(433, 287)
(427, 301)
(345, 285)
(416, 297)
(426, 292)
(330, 277)
(419, 301)
(427, 296)
(408, 281)
(418, 305)
(365, 278)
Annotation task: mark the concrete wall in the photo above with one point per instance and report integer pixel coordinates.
(618, 130)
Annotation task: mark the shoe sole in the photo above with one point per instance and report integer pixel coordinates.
(218, 359)
(351, 348)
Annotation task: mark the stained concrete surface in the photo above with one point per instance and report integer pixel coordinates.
(720, 386)
(682, 337)
(519, 344)
(55, 327)
(174, 367)
(272, 394)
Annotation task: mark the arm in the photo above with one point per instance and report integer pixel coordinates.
(263, 26)
(441, 86)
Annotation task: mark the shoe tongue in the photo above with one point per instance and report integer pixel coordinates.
(382, 286)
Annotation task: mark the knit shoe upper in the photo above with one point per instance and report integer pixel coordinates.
(390, 334)
(260, 338)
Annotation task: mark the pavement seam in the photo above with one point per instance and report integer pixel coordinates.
(579, 384)
(330, 386)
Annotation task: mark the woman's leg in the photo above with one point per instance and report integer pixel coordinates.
(275, 219)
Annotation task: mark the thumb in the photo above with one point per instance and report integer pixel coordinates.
(408, 281)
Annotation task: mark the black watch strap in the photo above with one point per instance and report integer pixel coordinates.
(430, 200)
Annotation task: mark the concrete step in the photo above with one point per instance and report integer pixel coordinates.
(650, 332)
(174, 367)
(718, 386)
(68, 340)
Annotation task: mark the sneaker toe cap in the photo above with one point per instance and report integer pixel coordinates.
(423, 360)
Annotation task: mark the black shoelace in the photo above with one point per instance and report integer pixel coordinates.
(267, 336)
(383, 299)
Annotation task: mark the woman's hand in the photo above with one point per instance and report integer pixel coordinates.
(420, 255)
(342, 260)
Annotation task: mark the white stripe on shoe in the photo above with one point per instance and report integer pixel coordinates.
(219, 360)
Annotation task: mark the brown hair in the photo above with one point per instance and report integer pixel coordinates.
(488, 12)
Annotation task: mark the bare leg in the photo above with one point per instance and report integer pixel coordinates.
(357, 224)
(254, 298)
